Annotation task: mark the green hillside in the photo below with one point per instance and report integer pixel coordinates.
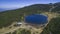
(53, 27)
(9, 16)
(57, 7)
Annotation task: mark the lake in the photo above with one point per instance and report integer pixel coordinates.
(36, 19)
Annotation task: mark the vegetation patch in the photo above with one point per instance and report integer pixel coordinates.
(53, 27)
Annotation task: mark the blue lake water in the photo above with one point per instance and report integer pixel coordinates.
(36, 19)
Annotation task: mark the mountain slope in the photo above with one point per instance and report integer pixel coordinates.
(56, 7)
(53, 27)
(7, 17)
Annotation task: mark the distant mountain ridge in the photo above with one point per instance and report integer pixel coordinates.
(42, 7)
(1, 9)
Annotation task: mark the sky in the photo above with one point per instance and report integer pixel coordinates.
(13, 4)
